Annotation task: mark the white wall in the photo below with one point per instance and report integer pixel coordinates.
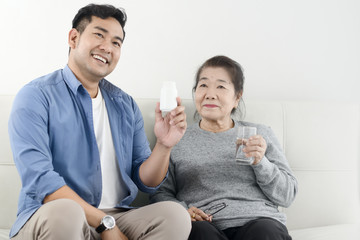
(290, 50)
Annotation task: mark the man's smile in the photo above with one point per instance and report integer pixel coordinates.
(100, 58)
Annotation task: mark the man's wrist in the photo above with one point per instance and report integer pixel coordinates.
(163, 147)
(106, 223)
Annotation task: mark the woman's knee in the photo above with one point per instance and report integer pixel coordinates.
(205, 230)
(267, 228)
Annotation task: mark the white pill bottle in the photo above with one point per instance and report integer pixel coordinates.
(168, 96)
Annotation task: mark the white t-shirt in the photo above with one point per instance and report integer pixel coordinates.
(113, 187)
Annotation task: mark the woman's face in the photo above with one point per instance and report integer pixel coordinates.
(215, 95)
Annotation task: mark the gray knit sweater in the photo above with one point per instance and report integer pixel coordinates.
(203, 173)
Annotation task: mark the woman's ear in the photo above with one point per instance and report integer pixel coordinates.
(238, 97)
(73, 38)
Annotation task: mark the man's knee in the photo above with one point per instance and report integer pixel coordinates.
(175, 212)
(176, 217)
(64, 209)
(65, 214)
(59, 219)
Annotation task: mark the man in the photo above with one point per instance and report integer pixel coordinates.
(81, 150)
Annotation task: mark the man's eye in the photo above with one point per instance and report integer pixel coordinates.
(117, 44)
(99, 35)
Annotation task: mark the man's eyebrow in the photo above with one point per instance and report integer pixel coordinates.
(106, 31)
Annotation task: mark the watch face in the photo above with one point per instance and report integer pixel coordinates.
(109, 222)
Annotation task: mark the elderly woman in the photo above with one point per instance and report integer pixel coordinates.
(224, 199)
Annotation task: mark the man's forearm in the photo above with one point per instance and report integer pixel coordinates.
(93, 215)
(153, 171)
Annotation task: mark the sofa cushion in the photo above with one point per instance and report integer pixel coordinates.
(4, 234)
(12, 184)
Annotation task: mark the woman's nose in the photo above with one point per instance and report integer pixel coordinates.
(210, 94)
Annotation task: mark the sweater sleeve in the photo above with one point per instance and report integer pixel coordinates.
(167, 191)
(273, 173)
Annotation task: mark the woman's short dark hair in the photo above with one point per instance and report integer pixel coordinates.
(83, 17)
(232, 67)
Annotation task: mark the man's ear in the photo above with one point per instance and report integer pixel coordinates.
(73, 38)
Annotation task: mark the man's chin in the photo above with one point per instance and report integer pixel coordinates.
(101, 74)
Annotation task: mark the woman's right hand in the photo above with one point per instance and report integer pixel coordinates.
(197, 214)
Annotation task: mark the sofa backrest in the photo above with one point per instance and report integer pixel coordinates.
(320, 140)
(322, 146)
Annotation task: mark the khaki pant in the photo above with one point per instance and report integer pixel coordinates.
(64, 219)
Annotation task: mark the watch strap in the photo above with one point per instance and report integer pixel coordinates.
(101, 228)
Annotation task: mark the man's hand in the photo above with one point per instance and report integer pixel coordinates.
(170, 129)
(113, 234)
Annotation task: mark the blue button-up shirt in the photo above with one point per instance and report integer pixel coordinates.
(53, 141)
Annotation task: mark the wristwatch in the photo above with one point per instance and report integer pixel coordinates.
(107, 223)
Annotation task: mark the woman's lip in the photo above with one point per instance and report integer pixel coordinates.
(210, 105)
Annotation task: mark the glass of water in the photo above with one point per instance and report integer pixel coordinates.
(243, 135)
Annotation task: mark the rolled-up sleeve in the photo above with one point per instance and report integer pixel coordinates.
(29, 139)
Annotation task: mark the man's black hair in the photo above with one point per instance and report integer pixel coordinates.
(83, 17)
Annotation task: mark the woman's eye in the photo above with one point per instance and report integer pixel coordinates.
(202, 85)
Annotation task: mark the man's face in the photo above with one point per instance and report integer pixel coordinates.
(96, 51)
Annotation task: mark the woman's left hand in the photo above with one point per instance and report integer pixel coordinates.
(255, 147)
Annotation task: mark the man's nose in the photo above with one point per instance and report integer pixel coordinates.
(106, 46)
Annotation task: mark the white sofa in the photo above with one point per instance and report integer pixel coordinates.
(321, 142)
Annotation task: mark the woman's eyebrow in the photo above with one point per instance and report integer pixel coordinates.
(217, 80)
(222, 81)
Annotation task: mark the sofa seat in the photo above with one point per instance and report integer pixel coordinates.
(335, 232)
(4, 234)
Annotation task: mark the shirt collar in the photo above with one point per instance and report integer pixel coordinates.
(71, 80)
(74, 84)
